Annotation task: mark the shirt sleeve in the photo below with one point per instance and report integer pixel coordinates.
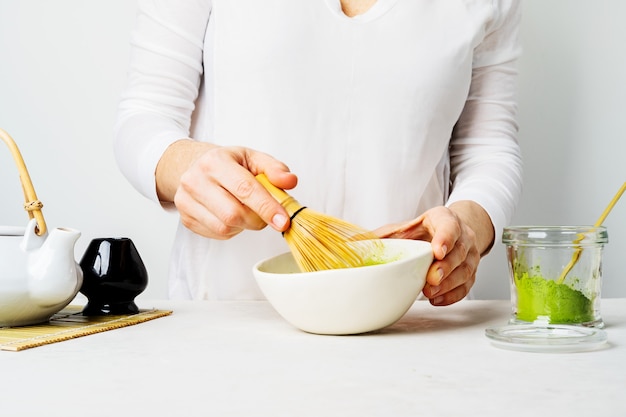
(162, 85)
(485, 156)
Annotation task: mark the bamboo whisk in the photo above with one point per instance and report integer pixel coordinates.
(320, 242)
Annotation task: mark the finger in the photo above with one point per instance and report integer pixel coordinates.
(406, 230)
(210, 228)
(201, 199)
(387, 231)
(231, 170)
(280, 176)
(444, 228)
(451, 297)
(451, 290)
(441, 269)
(220, 212)
(232, 213)
(249, 192)
(242, 184)
(452, 280)
(195, 217)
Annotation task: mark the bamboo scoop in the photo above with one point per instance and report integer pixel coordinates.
(598, 223)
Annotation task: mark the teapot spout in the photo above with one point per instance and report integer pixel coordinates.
(55, 277)
(62, 238)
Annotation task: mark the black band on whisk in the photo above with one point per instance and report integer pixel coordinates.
(296, 212)
(294, 215)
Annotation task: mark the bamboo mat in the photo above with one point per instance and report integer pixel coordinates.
(68, 324)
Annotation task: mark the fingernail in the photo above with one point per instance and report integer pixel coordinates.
(438, 300)
(434, 290)
(440, 274)
(279, 220)
(444, 249)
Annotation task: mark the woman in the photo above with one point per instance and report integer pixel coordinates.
(396, 115)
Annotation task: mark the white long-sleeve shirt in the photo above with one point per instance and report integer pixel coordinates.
(382, 116)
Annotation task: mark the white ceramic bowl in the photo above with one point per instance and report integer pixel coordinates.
(349, 300)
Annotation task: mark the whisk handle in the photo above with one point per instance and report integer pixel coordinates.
(288, 202)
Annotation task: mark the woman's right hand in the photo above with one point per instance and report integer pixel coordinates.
(215, 191)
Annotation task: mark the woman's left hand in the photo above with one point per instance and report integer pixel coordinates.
(459, 236)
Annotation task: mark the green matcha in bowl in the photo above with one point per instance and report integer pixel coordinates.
(556, 273)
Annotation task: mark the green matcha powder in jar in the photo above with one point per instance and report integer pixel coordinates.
(538, 256)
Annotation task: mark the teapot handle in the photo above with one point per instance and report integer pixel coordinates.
(32, 205)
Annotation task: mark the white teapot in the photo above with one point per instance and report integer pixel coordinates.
(38, 273)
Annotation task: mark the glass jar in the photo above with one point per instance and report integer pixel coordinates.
(555, 274)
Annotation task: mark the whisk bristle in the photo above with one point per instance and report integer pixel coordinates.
(318, 241)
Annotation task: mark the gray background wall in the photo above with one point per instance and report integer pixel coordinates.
(63, 64)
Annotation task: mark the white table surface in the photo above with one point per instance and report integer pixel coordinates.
(242, 359)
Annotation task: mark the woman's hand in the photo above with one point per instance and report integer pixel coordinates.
(215, 191)
(459, 235)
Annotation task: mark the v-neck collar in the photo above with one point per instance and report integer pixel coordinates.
(378, 9)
